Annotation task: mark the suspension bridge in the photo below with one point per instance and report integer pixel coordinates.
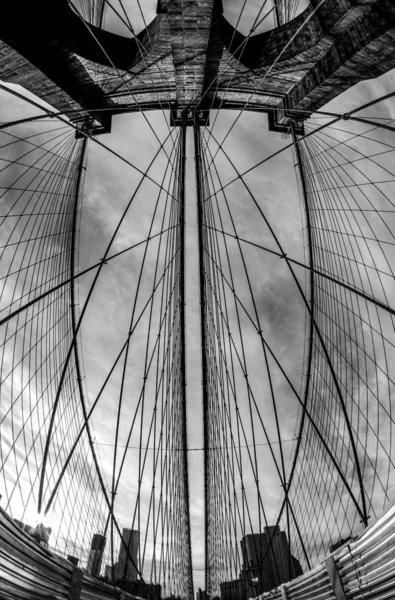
(197, 299)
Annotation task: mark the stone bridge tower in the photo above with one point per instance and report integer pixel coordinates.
(189, 56)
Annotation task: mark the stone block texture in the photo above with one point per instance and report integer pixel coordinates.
(190, 57)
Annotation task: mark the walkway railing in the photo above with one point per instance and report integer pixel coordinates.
(29, 571)
(363, 569)
(360, 570)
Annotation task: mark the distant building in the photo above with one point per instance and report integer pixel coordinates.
(96, 555)
(267, 556)
(238, 589)
(108, 572)
(201, 595)
(127, 559)
(148, 591)
(39, 533)
(267, 563)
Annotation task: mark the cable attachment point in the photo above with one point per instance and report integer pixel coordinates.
(365, 520)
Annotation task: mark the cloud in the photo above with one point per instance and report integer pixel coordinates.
(279, 311)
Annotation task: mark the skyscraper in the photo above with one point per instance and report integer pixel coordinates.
(110, 573)
(127, 566)
(267, 563)
(96, 554)
(267, 555)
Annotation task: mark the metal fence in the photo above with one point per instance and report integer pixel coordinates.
(29, 571)
(363, 569)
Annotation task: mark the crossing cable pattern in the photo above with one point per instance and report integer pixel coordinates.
(92, 10)
(326, 444)
(339, 473)
(41, 178)
(150, 430)
(349, 176)
(235, 425)
(286, 10)
(50, 455)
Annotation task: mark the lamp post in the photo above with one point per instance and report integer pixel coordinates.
(254, 580)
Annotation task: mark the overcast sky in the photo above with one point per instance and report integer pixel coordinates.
(281, 310)
(109, 184)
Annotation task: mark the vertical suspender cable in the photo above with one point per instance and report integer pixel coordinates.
(181, 198)
(199, 200)
(303, 193)
(363, 511)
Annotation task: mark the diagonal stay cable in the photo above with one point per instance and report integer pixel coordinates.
(163, 75)
(319, 334)
(75, 333)
(241, 47)
(84, 272)
(126, 355)
(235, 236)
(142, 48)
(301, 138)
(308, 17)
(308, 268)
(88, 135)
(283, 477)
(319, 434)
(253, 461)
(123, 79)
(91, 410)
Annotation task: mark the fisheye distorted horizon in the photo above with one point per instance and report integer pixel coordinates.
(256, 331)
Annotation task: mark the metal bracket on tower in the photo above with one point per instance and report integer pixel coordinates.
(281, 117)
(281, 122)
(94, 124)
(179, 115)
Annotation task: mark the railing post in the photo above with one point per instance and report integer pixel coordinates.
(76, 584)
(335, 579)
